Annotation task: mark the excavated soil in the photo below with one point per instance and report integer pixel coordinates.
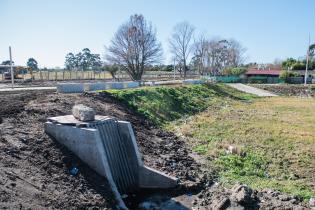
(34, 169)
(288, 89)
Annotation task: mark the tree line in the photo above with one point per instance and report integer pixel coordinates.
(31, 63)
(83, 60)
(295, 64)
(135, 49)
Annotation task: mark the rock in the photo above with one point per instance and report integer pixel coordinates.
(284, 197)
(83, 113)
(220, 204)
(312, 202)
(241, 194)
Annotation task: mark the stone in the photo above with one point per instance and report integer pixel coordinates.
(241, 194)
(220, 204)
(83, 113)
(312, 202)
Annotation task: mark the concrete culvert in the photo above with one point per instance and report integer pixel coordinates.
(109, 147)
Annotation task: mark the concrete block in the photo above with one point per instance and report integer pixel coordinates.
(87, 145)
(83, 113)
(117, 85)
(192, 81)
(97, 86)
(70, 87)
(109, 147)
(132, 84)
(81, 141)
(151, 178)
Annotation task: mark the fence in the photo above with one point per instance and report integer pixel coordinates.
(58, 75)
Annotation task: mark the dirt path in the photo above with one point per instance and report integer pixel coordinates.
(252, 90)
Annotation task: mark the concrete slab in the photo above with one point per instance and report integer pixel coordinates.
(28, 89)
(252, 90)
(70, 87)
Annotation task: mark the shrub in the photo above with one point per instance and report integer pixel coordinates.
(235, 71)
(298, 66)
(287, 74)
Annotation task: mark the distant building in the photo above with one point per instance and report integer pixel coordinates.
(265, 74)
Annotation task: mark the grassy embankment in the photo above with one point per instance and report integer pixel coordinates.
(277, 134)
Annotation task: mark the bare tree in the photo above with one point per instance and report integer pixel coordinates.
(200, 53)
(213, 56)
(135, 47)
(236, 53)
(180, 43)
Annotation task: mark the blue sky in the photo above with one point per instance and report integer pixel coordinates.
(48, 30)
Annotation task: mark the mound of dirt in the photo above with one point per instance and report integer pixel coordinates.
(35, 169)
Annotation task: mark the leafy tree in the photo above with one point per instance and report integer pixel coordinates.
(112, 69)
(71, 61)
(32, 64)
(235, 71)
(7, 62)
(83, 60)
(285, 75)
(168, 68)
(135, 47)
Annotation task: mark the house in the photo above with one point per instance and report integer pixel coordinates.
(266, 74)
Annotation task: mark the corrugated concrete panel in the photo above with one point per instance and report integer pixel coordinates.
(109, 147)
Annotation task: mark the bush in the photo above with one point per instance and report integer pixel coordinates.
(235, 71)
(298, 66)
(285, 75)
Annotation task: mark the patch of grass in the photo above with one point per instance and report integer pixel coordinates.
(165, 104)
(278, 135)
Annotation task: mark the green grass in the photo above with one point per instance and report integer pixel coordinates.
(277, 134)
(165, 104)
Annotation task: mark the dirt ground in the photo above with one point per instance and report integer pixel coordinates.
(288, 89)
(34, 169)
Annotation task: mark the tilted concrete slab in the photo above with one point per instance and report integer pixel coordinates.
(109, 147)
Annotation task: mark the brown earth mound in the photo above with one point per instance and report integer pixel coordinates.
(34, 169)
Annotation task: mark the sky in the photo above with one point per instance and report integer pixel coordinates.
(49, 29)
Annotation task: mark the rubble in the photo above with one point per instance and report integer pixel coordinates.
(83, 113)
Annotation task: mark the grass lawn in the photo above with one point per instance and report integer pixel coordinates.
(276, 136)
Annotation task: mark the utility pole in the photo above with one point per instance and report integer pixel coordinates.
(307, 58)
(174, 69)
(11, 67)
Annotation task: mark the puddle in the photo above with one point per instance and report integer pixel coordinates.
(146, 200)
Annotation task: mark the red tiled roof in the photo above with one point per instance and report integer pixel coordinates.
(263, 72)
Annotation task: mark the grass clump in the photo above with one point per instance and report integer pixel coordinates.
(278, 135)
(165, 104)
